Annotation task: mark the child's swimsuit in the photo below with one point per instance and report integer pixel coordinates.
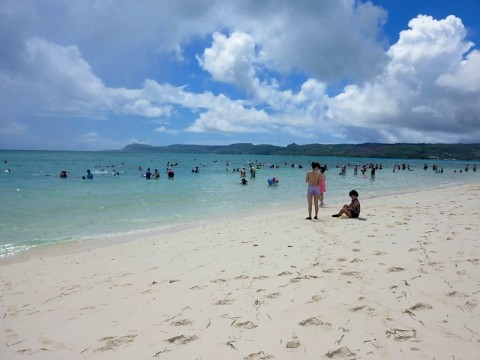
(322, 186)
(356, 212)
(313, 190)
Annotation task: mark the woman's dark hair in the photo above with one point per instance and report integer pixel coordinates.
(353, 192)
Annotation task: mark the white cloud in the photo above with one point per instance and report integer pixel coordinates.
(330, 39)
(416, 97)
(163, 129)
(231, 59)
(284, 60)
(465, 76)
(53, 79)
(143, 107)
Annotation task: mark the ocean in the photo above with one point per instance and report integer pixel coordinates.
(40, 208)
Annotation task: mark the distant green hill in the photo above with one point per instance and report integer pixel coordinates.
(401, 151)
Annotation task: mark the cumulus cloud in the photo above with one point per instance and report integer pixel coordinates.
(231, 60)
(464, 76)
(314, 37)
(417, 96)
(270, 67)
(52, 79)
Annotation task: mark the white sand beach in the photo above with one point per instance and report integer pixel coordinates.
(404, 284)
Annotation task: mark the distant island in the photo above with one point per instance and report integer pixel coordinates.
(470, 152)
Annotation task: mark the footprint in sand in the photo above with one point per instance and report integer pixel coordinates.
(51, 345)
(181, 322)
(421, 306)
(246, 325)
(25, 351)
(242, 277)
(395, 269)
(182, 339)
(12, 311)
(10, 335)
(402, 334)
(456, 294)
(352, 273)
(313, 321)
(294, 343)
(260, 277)
(112, 342)
(362, 307)
(303, 277)
(196, 287)
(470, 304)
(219, 281)
(259, 356)
(273, 295)
(317, 297)
(340, 353)
(224, 302)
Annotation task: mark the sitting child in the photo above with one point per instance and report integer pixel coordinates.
(352, 210)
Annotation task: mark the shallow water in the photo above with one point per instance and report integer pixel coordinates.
(41, 208)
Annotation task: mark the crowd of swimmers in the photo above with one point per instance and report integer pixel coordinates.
(252, 168)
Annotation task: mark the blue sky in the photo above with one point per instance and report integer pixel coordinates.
(101, 74)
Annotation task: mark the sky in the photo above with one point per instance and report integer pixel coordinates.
(102, 74)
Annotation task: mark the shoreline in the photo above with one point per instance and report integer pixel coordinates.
(265, 286)
(52, 211)
(112, 239)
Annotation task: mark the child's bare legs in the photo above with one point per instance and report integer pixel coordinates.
(321, 200)
(345, 210)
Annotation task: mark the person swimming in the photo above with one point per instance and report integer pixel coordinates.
(273, 181)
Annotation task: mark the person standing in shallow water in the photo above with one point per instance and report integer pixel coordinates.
(323, 186)
(313, 189)
(148, 174)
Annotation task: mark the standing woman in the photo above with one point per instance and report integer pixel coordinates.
(322, 186)
(313, 189)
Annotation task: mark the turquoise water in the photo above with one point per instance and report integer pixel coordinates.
(40, 208)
